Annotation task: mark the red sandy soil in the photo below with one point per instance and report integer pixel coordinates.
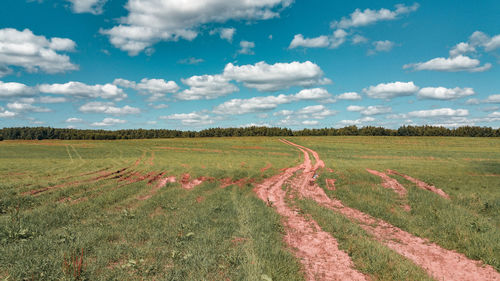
(267, 167)
(421, 184)
(440, 263)
(389, 182)
(162, 182)
(103, 176)
(200, 199)
(330, 184)
(225, 182)
(140, 158)
(187, 183)
(317, 249)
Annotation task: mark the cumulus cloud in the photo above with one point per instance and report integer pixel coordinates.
(441, 93)
(381, 46)
(375, 110)
(260, 104)
(6, 114)
(278, 76)
(34, 53)
(108, 108)
(225, 33)
(452, 64)
(358, 39)
(255, 104)
(26, 107)
(190, 119)
(81, 90)
(74, 120)
(206, 87)
(349, 96)
(151, 21)
(317, 42)
(14, 90)
(50, 99)
(356, 122)
(441, 112)
(304, 115)
(246, 48)
(87, 6)
(156, 88)
(493, 99)
(368, 16)
(312, 94)
(106, 122)
(391, 90)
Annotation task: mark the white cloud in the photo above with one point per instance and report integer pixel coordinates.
(472, 102)
(349, 96)
(156, 88)
(313, 94)
(106, 122)
(391, 90)
(260, 104)
(151, 21)
(13, 89)
(453, 64)
(310, 122)
(7, 114)
(74, 120)
(34, 53)
(87, 6)
(158, 106)
(356, 122)
(26, 107)
(493, 99)
(481, 39)
(358, 39)
(317, 42)
(108, 108)
(441, 93)
(191, 60)
(81, 90)
(255, 104)
(224, 33)
(381, 46)
(265, 77)
(462, 49)
(355, 108)
(375, 110)
(441, 112)
(246, 47)
(362, 18)
(190, 119)
(283, 112)
(49, 99)
(206, 87)
(494, 114)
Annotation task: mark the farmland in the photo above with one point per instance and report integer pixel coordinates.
(251, 208)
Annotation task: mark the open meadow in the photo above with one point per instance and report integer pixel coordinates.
(251, 208)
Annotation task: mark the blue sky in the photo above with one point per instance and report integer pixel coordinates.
(175, 64)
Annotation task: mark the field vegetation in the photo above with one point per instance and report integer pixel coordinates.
(226, 208)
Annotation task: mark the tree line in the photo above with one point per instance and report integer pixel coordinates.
(41, 133)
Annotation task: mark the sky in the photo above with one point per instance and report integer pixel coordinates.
(191, 65)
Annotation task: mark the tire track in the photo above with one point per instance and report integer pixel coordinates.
(438, 262)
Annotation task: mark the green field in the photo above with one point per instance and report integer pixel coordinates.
(100, 202)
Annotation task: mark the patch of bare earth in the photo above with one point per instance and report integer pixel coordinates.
(330, 184)
(421, 184)
(393, 184)
(317, 249)
(440, 263)
(188, 183)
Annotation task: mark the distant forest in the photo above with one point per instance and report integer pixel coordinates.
(41, 133)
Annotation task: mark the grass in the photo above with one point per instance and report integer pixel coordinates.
(213, 233)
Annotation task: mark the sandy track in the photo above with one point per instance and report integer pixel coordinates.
(317, 249)
(440, 263)
(389, 182)
(421, 184)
